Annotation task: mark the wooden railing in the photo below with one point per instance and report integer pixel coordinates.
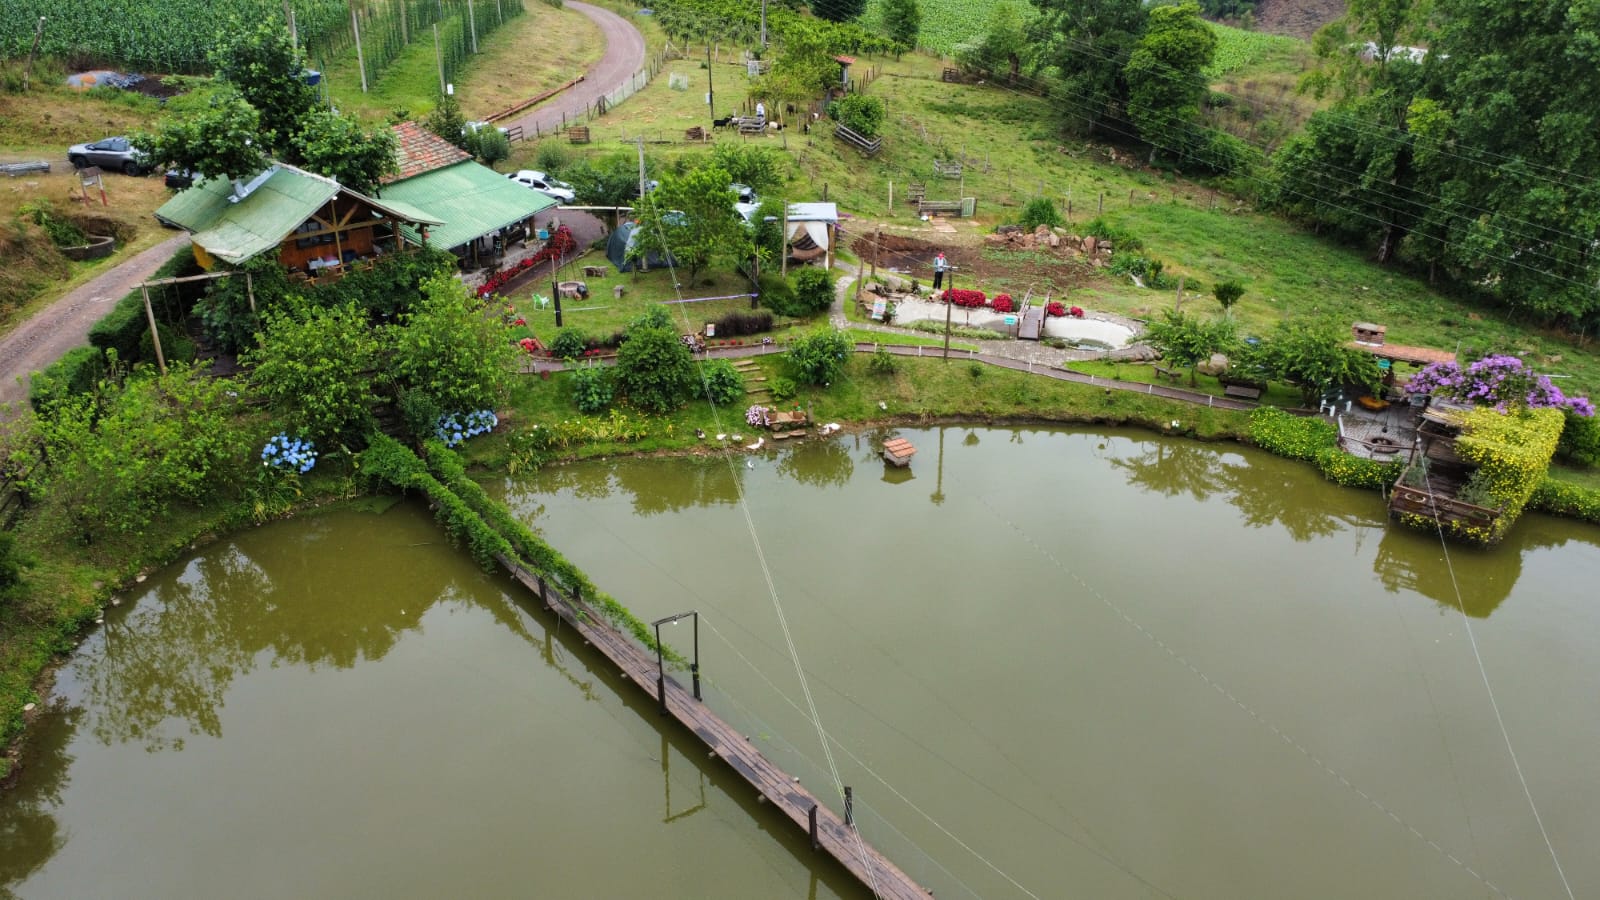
(868, 146)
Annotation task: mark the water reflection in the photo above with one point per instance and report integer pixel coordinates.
(29, 832)
(818, 463)
(1266, 494)
(242, 604)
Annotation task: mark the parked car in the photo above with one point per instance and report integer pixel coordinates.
(115, 154)
(178, 179)
(747, 194)
(532, 178)
(475, 127)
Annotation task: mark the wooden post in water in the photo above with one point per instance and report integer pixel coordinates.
(155, 336)
(814, 842)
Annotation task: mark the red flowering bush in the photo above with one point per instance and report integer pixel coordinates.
(560, 244)
(1054, 308)
(1076, 312)
(529, 345)
(966, 298)
(1003, 303)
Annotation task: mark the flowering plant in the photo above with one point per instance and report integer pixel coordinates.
(963, 297)
(453, 428)
(757, 415)
(1499, 381)
(289, 454)
(529, 345)
(1075, 311)
(560, 244)
(1003, 303)
(1055, 308)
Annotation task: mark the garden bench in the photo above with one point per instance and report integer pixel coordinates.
(1242, 392)
(1168, 372)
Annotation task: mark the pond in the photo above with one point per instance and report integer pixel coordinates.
(1051, 663)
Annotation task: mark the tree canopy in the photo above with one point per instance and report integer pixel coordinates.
(1086, 44)
(691, 217)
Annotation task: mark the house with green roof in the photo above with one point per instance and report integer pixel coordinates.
(313, 225)
(475, 203)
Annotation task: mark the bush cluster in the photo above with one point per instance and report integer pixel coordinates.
(1563, 498)
(592, 388)
(723, 383)
(964, 297)
(740, 324)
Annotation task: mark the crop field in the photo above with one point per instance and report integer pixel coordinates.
(148, 35)
(1238, 50)
(946, 23)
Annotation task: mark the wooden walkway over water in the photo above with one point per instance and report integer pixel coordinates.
(831, 834)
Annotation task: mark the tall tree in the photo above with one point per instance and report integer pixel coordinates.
(838, 10)
(1165, 84)
(447, 121)
(1507, 144)
(903, 19)
(691, 217)
(1188, 341)
(1002, 46)
(220, 140)
(1087, 43)
(264, 67)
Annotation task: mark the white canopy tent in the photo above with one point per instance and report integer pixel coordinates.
(816, 221)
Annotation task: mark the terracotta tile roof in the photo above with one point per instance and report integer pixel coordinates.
(420, 150)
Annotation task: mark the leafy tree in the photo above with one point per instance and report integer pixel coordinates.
(802, 66)
(569, 343)
(723, 383)
(611, 180)
(813, 290)
(318, 368)
(760, 167)
(337, 146)
(656, 370)
(1188, 341)
(1087, 43)
(489, 146)
(592, 388)
(263, 66)
(1314, 356)
(691, 218)
(119, 459)
(838, 10)
(902, 19)
(447, 121)
(1164, 75)
(859, 113)
(1227, 294)
(1508, 121)
(222, 140)
(449, 351)
(819, 357)
(1002, 46)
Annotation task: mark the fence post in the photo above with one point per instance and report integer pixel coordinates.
(814, 842)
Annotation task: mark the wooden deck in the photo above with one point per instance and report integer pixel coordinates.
(870, 867)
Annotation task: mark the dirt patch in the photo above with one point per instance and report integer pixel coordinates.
(996, 269)
(1298, 18)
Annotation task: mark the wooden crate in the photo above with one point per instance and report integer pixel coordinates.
(578, 134)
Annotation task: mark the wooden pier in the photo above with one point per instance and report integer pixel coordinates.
(827, 831)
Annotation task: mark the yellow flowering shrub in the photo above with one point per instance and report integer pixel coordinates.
(1512, 451)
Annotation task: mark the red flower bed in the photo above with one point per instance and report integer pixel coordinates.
(1003, 303)
(1076, 312)
(529, 345)
(969, 299)
(1054, 308)
(560, 244)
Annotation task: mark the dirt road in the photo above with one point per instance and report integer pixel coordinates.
(624, 56)
(42, 339)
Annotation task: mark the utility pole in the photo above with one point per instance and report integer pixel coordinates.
(711, 89)
(355, 26)
(763, 24)
(438, 57)
(641, 167)
(27, 70)
(950, 288)
(783, 244)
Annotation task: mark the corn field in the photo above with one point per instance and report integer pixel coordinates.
(173, 36)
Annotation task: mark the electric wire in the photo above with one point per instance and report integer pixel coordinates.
(761, 558)
(1483, 671)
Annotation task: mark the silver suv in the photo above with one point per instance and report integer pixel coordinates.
(115, 154)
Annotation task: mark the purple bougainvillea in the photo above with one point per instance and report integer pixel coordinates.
(1498, 381)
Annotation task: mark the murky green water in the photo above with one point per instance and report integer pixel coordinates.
(1057, 663)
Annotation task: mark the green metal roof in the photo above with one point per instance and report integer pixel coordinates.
(473, 201)
(284, 198)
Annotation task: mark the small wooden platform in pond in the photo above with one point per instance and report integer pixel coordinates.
(783, 791)
(1032, 323)
(898, 452)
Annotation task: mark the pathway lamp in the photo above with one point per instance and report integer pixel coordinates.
(661, 666)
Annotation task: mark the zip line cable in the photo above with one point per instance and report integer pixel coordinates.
(761, 558)
(1488, 689)
(1101, 851)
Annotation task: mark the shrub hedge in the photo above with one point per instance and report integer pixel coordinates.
(1563, 498)
(123, 327)
(76, 372)
(1316, 441)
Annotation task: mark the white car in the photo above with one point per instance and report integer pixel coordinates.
(532, 178)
